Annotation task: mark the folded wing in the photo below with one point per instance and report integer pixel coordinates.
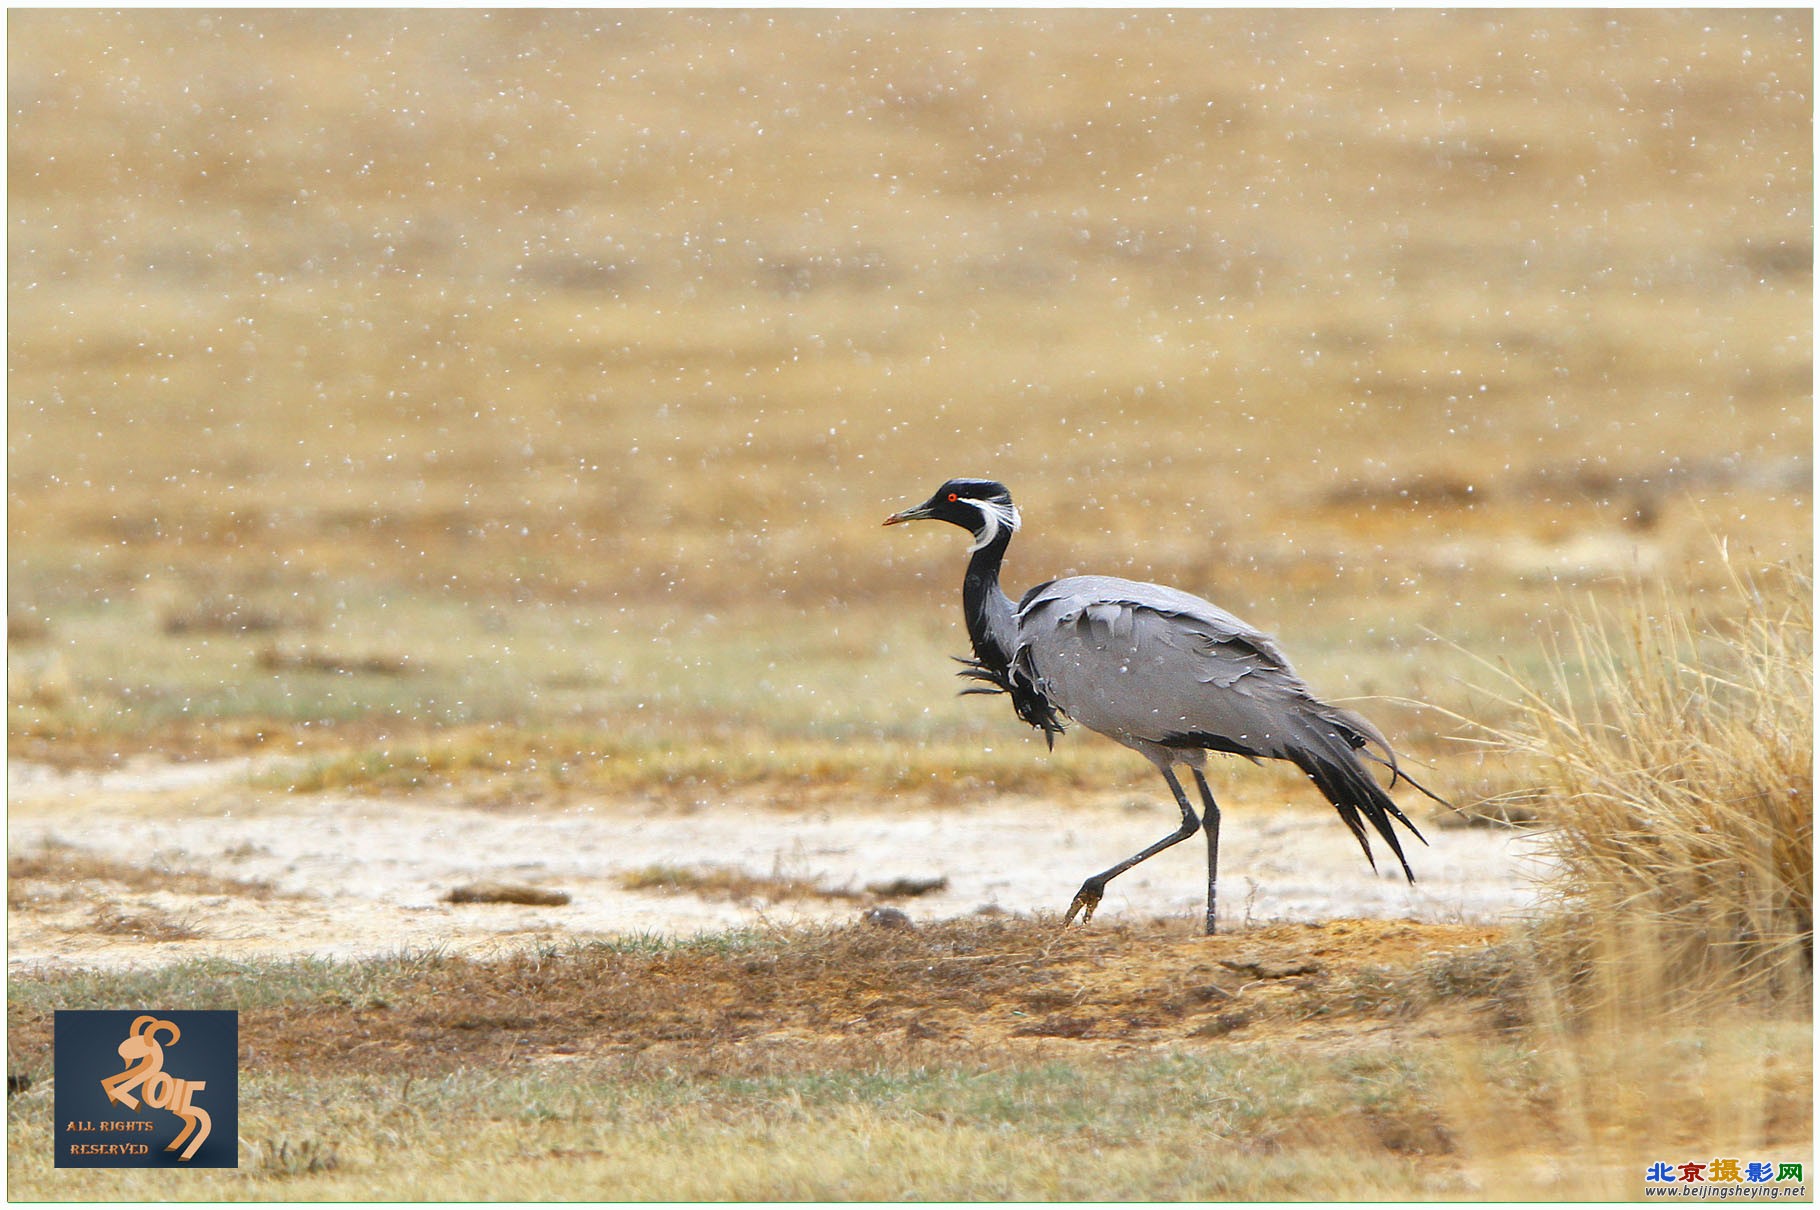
(1155, 667)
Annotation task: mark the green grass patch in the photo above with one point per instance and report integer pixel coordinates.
(221, 983)
(1053, 1130)
(840, 1063)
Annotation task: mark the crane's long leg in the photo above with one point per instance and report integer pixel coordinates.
(1088, 897)
(1210, 816)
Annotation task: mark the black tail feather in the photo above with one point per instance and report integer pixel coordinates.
(1346, 783)
(1361, 735)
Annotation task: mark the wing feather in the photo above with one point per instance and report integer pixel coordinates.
(1158, 669)
(1136, 661)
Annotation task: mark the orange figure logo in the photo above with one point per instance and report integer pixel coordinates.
(145, 1065)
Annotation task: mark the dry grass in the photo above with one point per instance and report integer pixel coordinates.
(1573, 1111)
(144, 925)
(57, 871)
(574, 358)
(1002, 1056)
(834, 998)
(727, 882)
(496, 765)
(569, 362)
(277, 659)
(1675, 751)
(1675, 746)
(506, 892)
(228, 614)
(82, 894)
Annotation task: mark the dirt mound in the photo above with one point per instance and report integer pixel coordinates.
(836, 995)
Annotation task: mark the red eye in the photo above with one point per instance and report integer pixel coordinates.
(953, 496)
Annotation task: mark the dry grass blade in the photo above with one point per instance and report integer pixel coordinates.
(1677, 759)
(1597, 1095)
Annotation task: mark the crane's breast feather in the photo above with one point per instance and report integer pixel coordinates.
(1019, 679)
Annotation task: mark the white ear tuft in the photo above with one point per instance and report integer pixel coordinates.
(993, 514)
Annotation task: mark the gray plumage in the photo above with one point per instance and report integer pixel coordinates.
(1163, 672)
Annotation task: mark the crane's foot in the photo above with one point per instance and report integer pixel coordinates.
(1085, 900)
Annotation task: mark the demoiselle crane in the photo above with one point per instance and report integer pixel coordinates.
(1166, 674)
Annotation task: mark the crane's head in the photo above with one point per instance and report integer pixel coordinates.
(979, 506)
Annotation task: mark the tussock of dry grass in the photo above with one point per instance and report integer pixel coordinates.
(1602, 1100)
(144, 925)
(506, 892)
(58, 870)
(1677, 755)
(1673, 751)
(726, 882)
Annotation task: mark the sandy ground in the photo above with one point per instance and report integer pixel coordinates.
(351, 875)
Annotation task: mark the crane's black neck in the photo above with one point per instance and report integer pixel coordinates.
(992, 625)
(991, 617)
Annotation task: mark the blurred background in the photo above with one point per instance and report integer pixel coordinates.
(531, 386)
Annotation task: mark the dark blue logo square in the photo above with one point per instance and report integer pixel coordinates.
(147, 1089)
